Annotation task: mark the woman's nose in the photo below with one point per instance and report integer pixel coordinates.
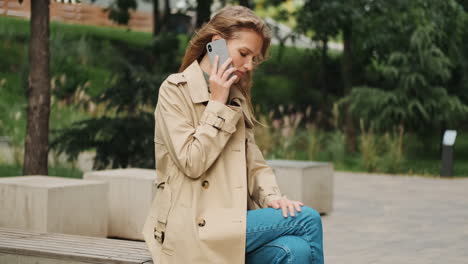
(249, 65)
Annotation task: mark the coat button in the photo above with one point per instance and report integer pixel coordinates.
(201, 222)
(205, 184)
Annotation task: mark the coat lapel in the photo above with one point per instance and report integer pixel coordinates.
(196, 83)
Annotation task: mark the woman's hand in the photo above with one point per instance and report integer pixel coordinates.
(286, 205)
(219, 82)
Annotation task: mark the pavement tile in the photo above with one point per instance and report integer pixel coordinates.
(397, 219)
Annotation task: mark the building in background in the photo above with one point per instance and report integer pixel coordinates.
(84, 13)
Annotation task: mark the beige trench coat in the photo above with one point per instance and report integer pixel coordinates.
(209, 173)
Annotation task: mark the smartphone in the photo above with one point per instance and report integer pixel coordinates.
(218, 47)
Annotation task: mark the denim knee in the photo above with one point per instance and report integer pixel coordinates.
(292, 249)
(311, 213)
(300, 250)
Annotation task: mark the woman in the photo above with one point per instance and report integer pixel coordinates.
(211, 174)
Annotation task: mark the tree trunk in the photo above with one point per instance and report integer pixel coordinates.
(347, 61)
(37, 130)
(281, 48)
(347, 69)
(203, 11)
(244, 3)
(156, 18)
(323, 68)
(167, 14)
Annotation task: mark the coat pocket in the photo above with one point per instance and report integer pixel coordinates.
(222, 228)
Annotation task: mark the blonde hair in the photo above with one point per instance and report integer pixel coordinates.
(227, 23)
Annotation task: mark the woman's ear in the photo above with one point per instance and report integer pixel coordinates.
(215, 37)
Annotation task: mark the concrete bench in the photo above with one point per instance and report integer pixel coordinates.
(131, 192)
(23, 247)
(306, 181)
(54, 205)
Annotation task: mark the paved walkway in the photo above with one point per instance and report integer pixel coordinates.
(397, 219)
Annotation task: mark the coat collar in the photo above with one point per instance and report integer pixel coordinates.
(199, 90)
(196, 83)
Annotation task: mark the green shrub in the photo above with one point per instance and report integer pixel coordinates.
(123, 135)
(368, 147)
(392, 158)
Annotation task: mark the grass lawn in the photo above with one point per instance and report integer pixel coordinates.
(19, 28)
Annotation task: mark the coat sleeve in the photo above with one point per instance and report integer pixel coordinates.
(192, 147)
(263, 187)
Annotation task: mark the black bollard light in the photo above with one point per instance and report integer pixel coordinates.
(447, 153)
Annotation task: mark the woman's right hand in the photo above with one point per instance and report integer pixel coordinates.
(219, 82)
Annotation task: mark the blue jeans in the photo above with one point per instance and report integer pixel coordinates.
(273, 239)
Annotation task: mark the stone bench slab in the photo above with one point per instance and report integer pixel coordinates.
(54, 204)
(131, 192)
(306, 181)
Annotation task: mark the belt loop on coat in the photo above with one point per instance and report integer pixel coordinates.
(159, 234)
(160, 227)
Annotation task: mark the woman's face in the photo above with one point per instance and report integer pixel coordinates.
(244, 51)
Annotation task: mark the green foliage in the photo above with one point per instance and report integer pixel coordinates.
(382, 153)
(119, 142)
(69, 67)
(368, 146)
(123, 136)
(119, 10)
(413, 77)
(335, 147)
(106, 84)
(336, 142)
(89, 65)
(275, 89)
(294, 80)
(294, 135)
(313, 139)
(278, 139)
(13, 69)
(13, 123)
(392, 159)
(318, 19)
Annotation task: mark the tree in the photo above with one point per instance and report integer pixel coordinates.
(389, 41)
(203, 11)
(244, 3)
(37, 128)
(119, 12)
(281, 14)
(123, 136)
(464, 4)
(327, 18)
(412, 67)
(310, 20)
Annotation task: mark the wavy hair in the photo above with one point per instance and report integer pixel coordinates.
(227, 23)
